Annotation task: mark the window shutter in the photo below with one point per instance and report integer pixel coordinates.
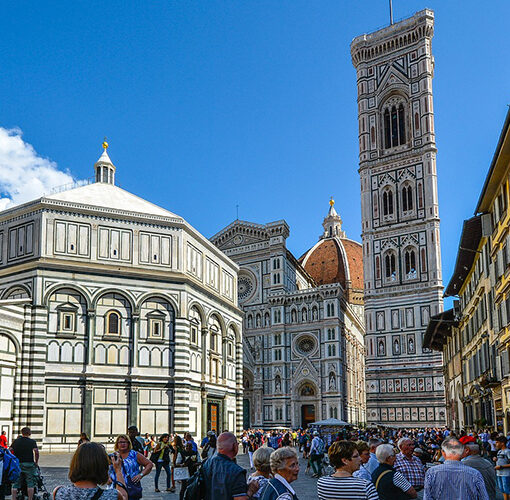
(499, 374)
(504, 363)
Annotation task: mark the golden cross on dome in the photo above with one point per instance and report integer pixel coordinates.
(105, 144)
(331, 201)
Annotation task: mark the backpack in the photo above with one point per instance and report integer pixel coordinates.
(195, 489)
(320, 447)
(11, 468)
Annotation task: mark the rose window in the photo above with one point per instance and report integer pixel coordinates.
(244, 288)
(306, 345)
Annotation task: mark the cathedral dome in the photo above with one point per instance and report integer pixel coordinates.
(335, 258)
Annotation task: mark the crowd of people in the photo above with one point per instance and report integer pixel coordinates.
(354, 464)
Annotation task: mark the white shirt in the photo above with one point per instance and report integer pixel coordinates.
(285, 483)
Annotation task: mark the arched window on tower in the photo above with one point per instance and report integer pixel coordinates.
(390, 271)
(410, 263)
(401, 125)
(394, 124)
(387, 198)
(407, 198)
(387, 129)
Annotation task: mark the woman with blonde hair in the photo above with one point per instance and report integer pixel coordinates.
(131, 463)
(262, 474)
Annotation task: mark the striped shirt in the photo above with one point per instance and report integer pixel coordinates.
(345, 488)
(454, 480)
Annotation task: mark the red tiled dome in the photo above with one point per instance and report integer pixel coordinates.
(335, 260)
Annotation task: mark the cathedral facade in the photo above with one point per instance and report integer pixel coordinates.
(114, 312)
(400, 221)
(303, 324)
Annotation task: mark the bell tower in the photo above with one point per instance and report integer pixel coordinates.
(400, 221)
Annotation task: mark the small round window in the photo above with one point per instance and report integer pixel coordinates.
(306, 345)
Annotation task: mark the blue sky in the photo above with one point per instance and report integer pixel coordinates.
(209, 104)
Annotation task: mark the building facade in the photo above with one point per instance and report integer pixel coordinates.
(303, 331)
(493, 209)
(400, 221)
(479, 392)
(114, 312)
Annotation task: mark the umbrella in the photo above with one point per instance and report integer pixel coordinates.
(330, 422)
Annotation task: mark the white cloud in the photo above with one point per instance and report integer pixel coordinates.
(24, 175)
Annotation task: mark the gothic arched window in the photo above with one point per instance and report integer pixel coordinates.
(401, 125)
(407, 198)
(387, 130)
(394, 124)
(387, 202)
(377, 268)
(410, 261)
(390, 265)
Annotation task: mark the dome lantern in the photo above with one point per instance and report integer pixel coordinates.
(332, 223)
(105, 169)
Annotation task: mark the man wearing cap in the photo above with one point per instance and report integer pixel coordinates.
(317, 454)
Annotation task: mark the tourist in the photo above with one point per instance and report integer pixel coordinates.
(373, 463)
(262, 474)
(189, 458)
(3, 440)
(390, 483)
(88, 470)
(224, 479)
(188, 438)
(409, 465)
(209, 449)
(26, 451)
(273, 441)
(285, 467)
(132, 461)
(161, 457)
(364, 454)
(83, 439)
(252, 447)
(341, 485)
(146, 444)
(503, 467)
(453, 479)
(317, 454)
(177, 448)
(493, 451)
(133, 434)
(483, 466)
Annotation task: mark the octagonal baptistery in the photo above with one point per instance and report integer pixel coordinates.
(336, 259)
(114, 312)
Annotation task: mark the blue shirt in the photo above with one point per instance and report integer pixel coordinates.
(454, 480)
(363, 473)
(372, 464)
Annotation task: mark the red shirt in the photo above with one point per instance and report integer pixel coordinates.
(3, 440)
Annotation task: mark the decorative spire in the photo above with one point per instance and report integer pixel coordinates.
(105, 169)
(332, 223)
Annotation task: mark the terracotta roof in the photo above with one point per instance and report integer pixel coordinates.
(334, 260)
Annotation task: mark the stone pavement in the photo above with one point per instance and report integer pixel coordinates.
(55, 466)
